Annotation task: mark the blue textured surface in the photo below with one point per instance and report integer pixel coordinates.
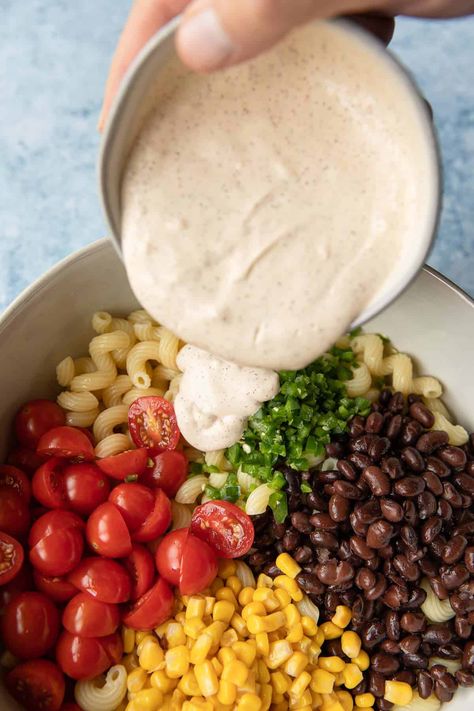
(53, 62)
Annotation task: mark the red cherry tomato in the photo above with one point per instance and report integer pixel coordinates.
(88, 434)
(85, 486)
(25, 459)
(67, 442)
(52, 521)
(11, 558)
(153, 608)
(157, 522)
(34, 419)
(113, 647)
(58, 589)
(134, 501)
(186, 561)
(141, 568)
(30, 625)
(48, 484)
(13, 478)
(152, 423)
(124, 465)
(14, 513)
(22, 581)
(103, 579)
(57, 554)
(107, 532)
(226, 528)
(168, 472)
(81, 657)
(37, 684)
(88, 617)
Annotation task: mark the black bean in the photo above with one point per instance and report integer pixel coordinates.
(413, 622)
(347, 490)
(442, 693)
(316, 502)
(368, 512)
(328, 476)
(392, 467)
(378, 447)
(290, 540)
(454, 549)
(450, 651)
(409, 486)
(430, 529)
(379, 534)
(324, 539)
(396, 403)
(376, 684)
(416, 597)
(360, 548)
(421, 413)
(347, 470)
(430, 441)
(393, 427)
(444, 510)
(414, 661)
(427, 504)
(385, 552)
(334, 572)
(454, 457)
(374, 422)
(408, 571)
(377, 481)
(409, 536)
(469, 559)
(410, 644)
(454, 576)
(303, 555)
(323, 522)
(464, 678)
(433, 482)
(356, 426)
(278, 530)
(465, 482)
(272, 570)
(435, 465)
(413, 459)
(462, 627)
(335, 449)
(438, 588)
(378, 589)
(310, 584)
(425, 684)
(411, 430)
(392, 625)
(359, 460)
(437, 634)
(256, 560)
(365, 579)
(452, 495)
(395, 597)
(385, 664)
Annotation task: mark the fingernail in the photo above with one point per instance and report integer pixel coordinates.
(203, 41)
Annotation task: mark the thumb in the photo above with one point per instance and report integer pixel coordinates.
(218, 33)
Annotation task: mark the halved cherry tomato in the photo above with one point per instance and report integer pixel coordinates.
(186, 561)
(169, 471)
(30, 625)
(86, 487)
(81, 657)
(67, 442)
(34, 419)
(25, 459)
(22, 581)
(88, 434)
(14, 513)
(88, 617)
(107, 532)
(13, 478)
(157, 522)
(141, 568)
(124, 465)
(51, 521)
(48, 484)
(103, 579)
(153, 608)
(11, 557)
(152, 423)
(113, 647)
(58, 589)
(57, 554)
(37, 684)
(226, 528)
(134, 501)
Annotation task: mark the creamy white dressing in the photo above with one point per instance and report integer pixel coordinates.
(265, 206)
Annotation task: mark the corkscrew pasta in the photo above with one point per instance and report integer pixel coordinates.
(100, 695)
(435, 609)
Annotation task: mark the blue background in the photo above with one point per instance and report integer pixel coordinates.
(54, 58)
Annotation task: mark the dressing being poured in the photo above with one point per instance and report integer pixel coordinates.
(264, 207)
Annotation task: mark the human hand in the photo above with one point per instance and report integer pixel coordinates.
(218, 33)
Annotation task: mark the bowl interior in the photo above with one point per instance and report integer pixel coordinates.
(432, 320)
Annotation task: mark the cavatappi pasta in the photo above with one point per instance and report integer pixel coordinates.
(102, 694)
(418, 704)
(436, 610)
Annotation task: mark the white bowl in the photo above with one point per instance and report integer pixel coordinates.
(433, 320)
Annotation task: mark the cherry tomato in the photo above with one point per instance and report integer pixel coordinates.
(22, 581)
(103, 579)
(57, 554)
(58, 589)
(107, 532)
(11, 558)
(153, 608)
(134, 501)
(157, 522)
(186, 561)
(13, 478)
(168, 472)
(14, 513)
(226, 528)
(34, 419)
(52, 521)
(37, 685)
(152, 423)
(30, 625)
(141, 568)
(81, 657)
(113, 647)
(25, 459)
(48, 484)
(86, 487)
(89, 617)
(124, 465)
(88, 434)
(67, 442)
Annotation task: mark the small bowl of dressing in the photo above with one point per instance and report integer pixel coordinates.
(278, 202)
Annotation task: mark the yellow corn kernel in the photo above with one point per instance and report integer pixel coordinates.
(206, 678)
(215, 631)
(175, 634)
(208, 605)
(286, 583)
(245, 596)
(398, 692)
(301, 701)
(245, 652)
(223, 611)
(177, 661)
(253, 608)
(331, 703)
(234, 584)
(263, 644)
(345, 699)
(310, 627)
(148, 700)
(295, 634)
(264, 581)
(322, 681)
(160, 631)
(249, 686)
(266, 693)
(216, 585)
(227, 692)
(229, 637)
(351, 644)
(197, 703)
(262, 594)
(273, 622)
(227, 594)
(342, 616)
(217, 666)
(319, 637)
(236, 672)
(249, 702)
(280, 682)
(263, 675)
(238, 624)
(300, 685)
(180, 617)
(271, 603)
(331, 664)
(144, 641)
(288, 565)
(283, 597)
(188, 684)
(280, 652)
(292, 615)
(226, 655)
(330, 630)
(296, 664)
(141, 634)
(363, 708)
(160, 681)
(136, 680)
(279, 702)
(256, 624)
(177, 700)
(365, 701)
(151, 656)
(352, 675)
(314, 651)
(195, 607)
(130, 662)
(200, 649)
(226, 568)
(128, 639)
(193, 627)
